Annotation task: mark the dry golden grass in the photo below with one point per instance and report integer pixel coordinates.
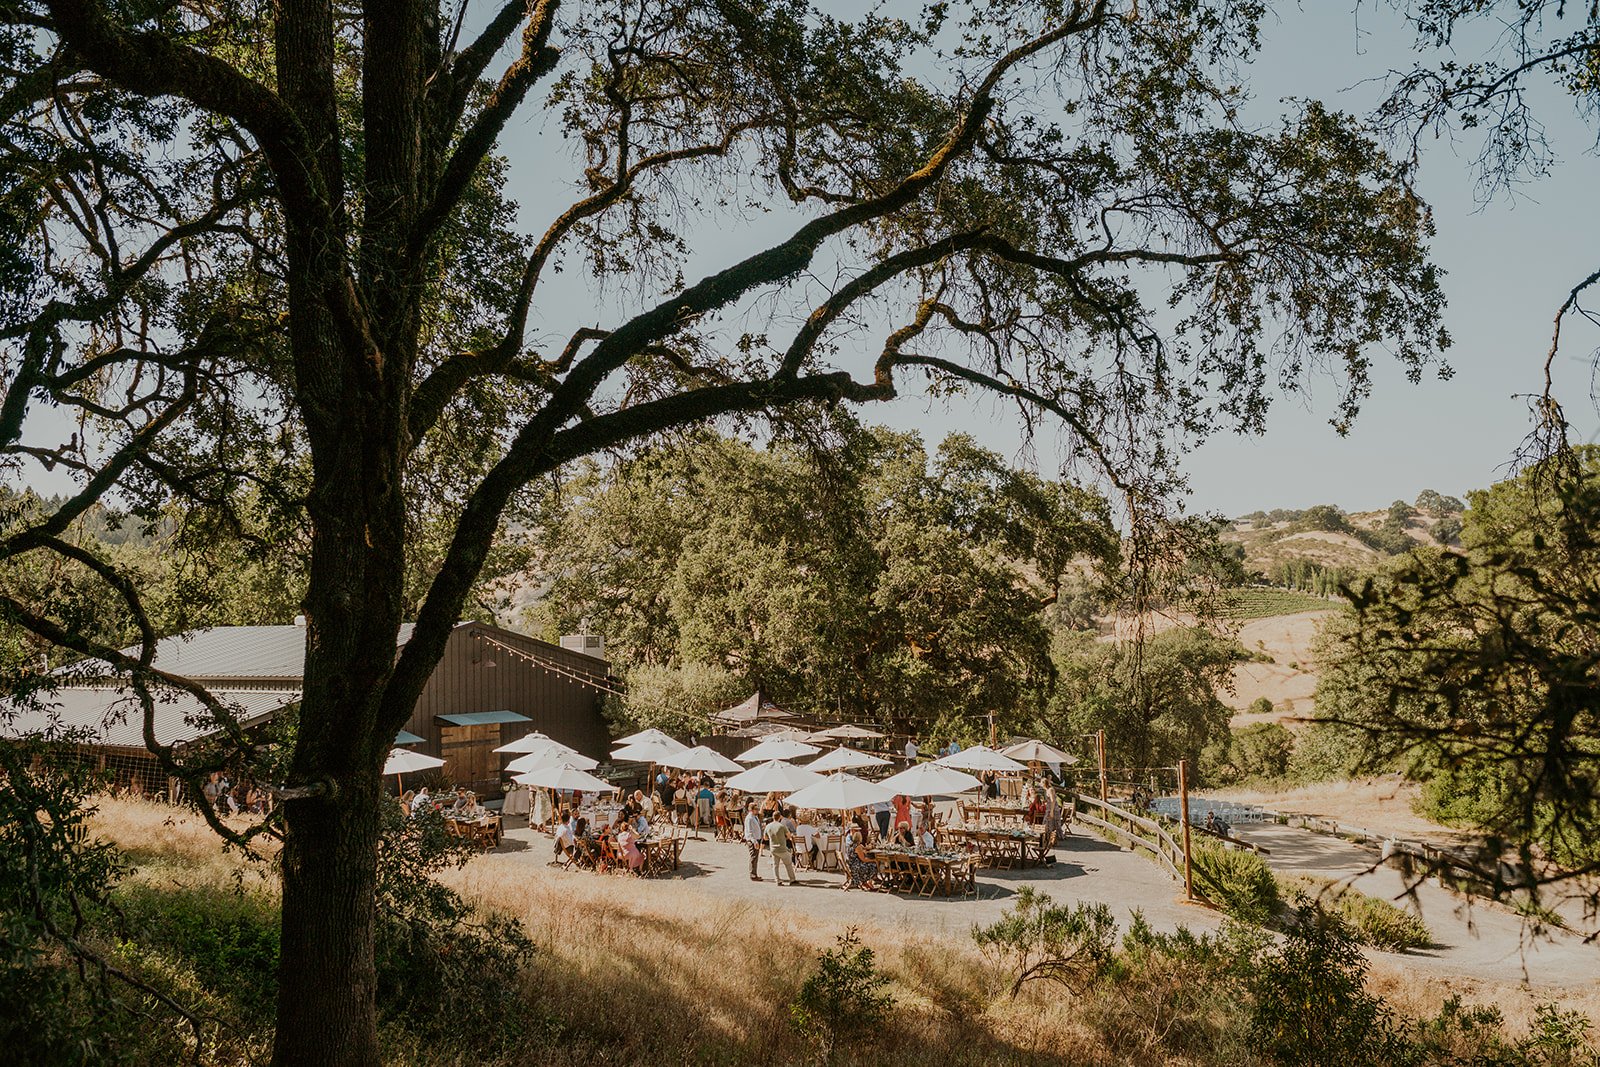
(678, 975)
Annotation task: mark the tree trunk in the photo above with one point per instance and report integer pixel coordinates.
(327, 1009)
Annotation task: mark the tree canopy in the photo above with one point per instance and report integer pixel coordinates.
(1479, 669)
(870, 581)
(261, 260)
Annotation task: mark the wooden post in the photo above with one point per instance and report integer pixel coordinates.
(1100, 749)
(1183, 813)
(991, 730)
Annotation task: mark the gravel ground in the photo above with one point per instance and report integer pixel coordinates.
(1086, 868)
(1477, 940)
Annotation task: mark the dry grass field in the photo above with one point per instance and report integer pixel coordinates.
(665, 972)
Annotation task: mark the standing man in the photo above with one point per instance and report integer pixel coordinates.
(880, 815)
(752, 837)
(911, 750)
(778, 838)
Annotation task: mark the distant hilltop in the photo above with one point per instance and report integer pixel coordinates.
(1316, 548)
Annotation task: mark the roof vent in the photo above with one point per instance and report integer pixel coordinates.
(588, 644)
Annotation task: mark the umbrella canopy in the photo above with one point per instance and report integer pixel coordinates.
(700, 758)
(648, 751)
(840, 792)
(652, 734)
(777, 750)
(401, 762)
(926, 779)
(789, 733)
(530, 742)
(773, 776)
(842, 759)
(755, 709)
(849, 732)
(980, 758)
(565, 776)
(1031, 751)
(552, 758)
(755, 729)
(406, 737)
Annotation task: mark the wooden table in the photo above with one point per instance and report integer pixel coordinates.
(484, 830)
(1004, 848)
(926, 874)
(661, 855)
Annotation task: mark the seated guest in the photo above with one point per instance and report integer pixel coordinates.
(903, 837)
(860, 870)
(641, 825)
(420, 802)
(565, 838)
(927, 842)
(806, 834)
(628, 842)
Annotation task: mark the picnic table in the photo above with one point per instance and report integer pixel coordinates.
(661, 855)
(1004, 848)
(483, 830)
(927, 873)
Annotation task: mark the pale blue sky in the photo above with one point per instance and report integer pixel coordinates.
(1508, 267)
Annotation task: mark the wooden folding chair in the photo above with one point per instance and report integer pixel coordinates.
(927, 877)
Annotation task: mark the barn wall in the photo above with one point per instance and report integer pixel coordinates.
(464, 682)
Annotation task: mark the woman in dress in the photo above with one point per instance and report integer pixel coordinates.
(860, 871)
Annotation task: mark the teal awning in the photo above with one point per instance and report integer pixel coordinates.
(406, 737)
(483, 718)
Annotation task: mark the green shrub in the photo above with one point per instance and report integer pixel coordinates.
(1260, 706)
(1311, 1005)
(844, 998)
(1371, 920)
(1240, 883)
(226, 938)
(1037, 938)
(449, 974)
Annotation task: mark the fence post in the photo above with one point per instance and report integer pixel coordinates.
(1100, 749)
(1183, 812)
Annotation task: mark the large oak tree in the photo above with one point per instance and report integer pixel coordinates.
(260, 259)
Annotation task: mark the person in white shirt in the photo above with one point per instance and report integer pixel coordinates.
(565, 839)
(419, 803)
(911, 750)
(926, 842)
(752, 838)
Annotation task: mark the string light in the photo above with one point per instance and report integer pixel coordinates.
(552, 667)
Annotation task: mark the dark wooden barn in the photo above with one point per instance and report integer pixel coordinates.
(492, 685)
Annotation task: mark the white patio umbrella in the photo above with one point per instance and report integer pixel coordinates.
(842, 759)
(552, 758)
(529, 742)
(927, 779)
(1032, 751)
(652, 734)
(980, 758)
(777, 750)
(700, 758)
(650, 751)
(773, 776)
(849, 731)
(565, 776)
(402, 761)
(841, 792)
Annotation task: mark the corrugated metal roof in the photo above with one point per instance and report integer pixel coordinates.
(483, 718)
(234, 652)
(111, 715)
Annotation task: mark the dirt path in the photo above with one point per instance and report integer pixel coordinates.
(1475, 940)
(1481, 942)
(1086, 868)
